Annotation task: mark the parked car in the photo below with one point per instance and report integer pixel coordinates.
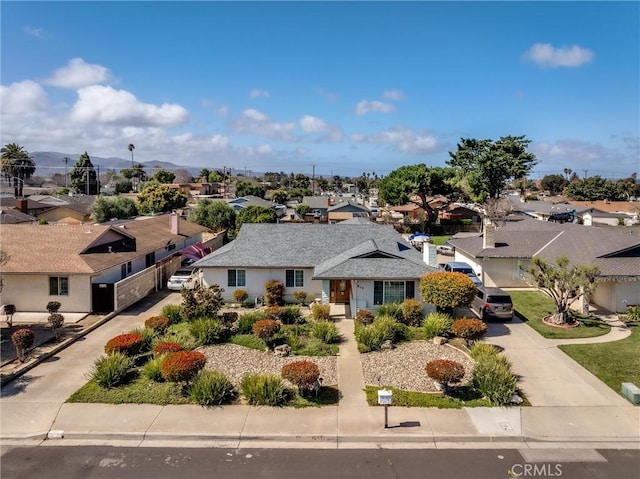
(492, 303)
(461, 267)
(183, 278)
(445, 249)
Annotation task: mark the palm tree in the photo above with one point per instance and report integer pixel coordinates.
(131, 147)
(16, 165)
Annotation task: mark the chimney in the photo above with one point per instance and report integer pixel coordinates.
(23, 205)
(174, 223)
(489, 236)
(430, 254)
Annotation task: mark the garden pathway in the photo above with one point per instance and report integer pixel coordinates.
(350, 379)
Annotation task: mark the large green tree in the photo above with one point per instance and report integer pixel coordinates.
(488, 166)
(555, 184)
(414, 184)
(83, 176)
(594, 188)
(164, 176)
(106, 208)
(245, 188)
(563, 284)
(256, 214)
(214, 214)
(17, 166)
(157, 198)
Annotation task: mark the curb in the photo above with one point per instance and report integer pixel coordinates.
(7, 378)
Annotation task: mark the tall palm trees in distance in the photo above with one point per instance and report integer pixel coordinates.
(131, 147)
(17, 166)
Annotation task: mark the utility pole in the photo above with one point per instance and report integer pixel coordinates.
(313, 180)
(98, 180)
(66, 176)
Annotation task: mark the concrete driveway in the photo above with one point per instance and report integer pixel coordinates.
(548, 377)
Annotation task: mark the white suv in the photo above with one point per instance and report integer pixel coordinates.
(183, 278)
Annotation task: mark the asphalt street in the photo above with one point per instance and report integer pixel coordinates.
(69, 462)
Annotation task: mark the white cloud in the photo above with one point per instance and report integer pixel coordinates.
(402, 139)
(254, 122)
(315, 125)
(257, 93)
(77, 73)
(395, 95)
(34, 32)
(22, 98)
(103, 104)
(546, 55)
(365, 106)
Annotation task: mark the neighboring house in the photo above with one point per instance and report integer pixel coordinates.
(346, 210)
(459, 212)
(319, 206)
(245, 201)
(543, 210)
(595, 216)
(70, 214)
(411, 211)
(12, 216)
(358, 263)
(97, 267)
(501, 255)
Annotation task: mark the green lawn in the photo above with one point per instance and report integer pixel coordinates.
(532, 306)
(438, 240)
(464, 397)
(613, 363)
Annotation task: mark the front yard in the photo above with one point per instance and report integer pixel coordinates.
(532, 306)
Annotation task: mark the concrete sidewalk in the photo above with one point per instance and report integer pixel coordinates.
(33, 408)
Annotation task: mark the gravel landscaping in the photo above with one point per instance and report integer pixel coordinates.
(403, 366)
(237, 361)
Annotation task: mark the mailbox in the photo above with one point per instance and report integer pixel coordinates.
(385, 397)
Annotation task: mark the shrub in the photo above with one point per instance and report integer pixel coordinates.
(249, 341)
(128, 344)
(183, 365)
(274, 293)
(265, 329)
(326, 332)
(173, 312)
(210, 388)
(480, 350)
(411, 312)
(247, 320)
(207, 331)
(300, 296)
(436, 324)
(22, 340)
(321, 312)
(148, 336)
(447, 290)
(53, 306)
(633, 313)
(291, 315)
(152, 369)
(110, 370)
(469, 329)
(166, 347)
(445, 371)
(240, 295)
(384, 328)
(274, 312)
(303, 374)
(393, 310)
(364, 317)
(157, 323)
(264, 390)
(56, 320)
(201, 302)
(229, 317)
(492, 376)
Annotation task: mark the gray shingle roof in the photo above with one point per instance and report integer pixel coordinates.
(343, 248)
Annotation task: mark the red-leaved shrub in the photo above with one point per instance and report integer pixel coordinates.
(22, 340)
(469, 329)
(166, 348)
(182, 366)
(445, 371)
(157, 323)
(265, 329)
(301, 373)
(364, 317)
(129, 344)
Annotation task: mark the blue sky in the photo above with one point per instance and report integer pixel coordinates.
(349, 87)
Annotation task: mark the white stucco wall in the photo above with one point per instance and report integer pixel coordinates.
(611, 295)
(30, 292)
(256, 279)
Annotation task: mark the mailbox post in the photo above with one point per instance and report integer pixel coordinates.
(384, 398)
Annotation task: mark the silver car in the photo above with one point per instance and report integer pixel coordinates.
(492, 303)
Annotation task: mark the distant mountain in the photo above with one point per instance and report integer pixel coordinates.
(50, 162)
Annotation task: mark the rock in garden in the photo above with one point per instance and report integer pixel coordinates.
(439, 340)
(282, 350)
(515, 399)
(388, 344)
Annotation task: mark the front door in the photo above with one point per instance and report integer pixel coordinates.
(339, 291)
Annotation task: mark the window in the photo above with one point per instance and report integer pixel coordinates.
(392, 291)
(58, 286)
(236, 278)
(150, 259)
(294, 278)
(125, 270)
